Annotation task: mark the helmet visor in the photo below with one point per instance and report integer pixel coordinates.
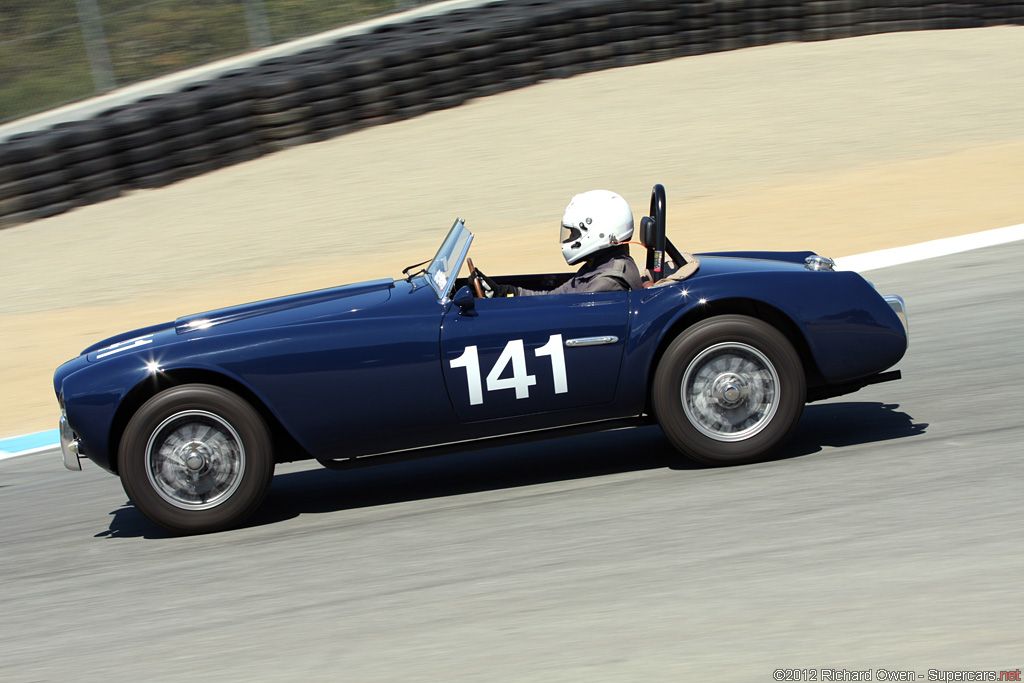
(570, 233)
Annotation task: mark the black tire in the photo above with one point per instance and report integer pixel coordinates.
(89, 167)
(203, 484)
(28, 169)
(321, 107)
(274, 87)
(191, 156)
(280, 103)
(170, 108)
(12, 219)
(124, 122)
(24, 150)
(87, 152)
(282, 117)
(229, 112)
(11, 206)
(188, 141)
(268, 146)
(284, 132)
(412, 98)
(51, 195)
(81, 133)
(225, 129)
(140, 138)
(50, 210)
(34, 184)
(744, 387)
(401, 72)
(154, 180)
(213, 95)
(326, 91)
(12, 189)
(193, 170)
(325, 122)
(96, 182)
(137, 155)
(226, 145)
(185, 126)
(237, 156)
(96, 196)
(145, 168)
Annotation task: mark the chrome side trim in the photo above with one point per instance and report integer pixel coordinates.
(370, 459)
(899, 306)
(591, 341)
(69, 446)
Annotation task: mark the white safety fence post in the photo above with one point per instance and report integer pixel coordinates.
(256, 23)
(96, 45)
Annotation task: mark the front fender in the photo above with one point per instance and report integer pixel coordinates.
(96, 394)
(92, 395)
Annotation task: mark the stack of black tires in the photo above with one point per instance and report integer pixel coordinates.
(402, 70)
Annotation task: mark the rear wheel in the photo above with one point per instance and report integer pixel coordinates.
(729, 390)
(196, 458)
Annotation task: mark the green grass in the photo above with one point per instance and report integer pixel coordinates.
(44, 63)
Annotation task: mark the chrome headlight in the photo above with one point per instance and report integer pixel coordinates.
(816, 262)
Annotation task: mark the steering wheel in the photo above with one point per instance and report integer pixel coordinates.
(474, 280)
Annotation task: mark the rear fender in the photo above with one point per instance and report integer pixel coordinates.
(840, 326)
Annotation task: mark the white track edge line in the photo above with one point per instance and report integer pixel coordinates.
(896, 256)
(32, 451)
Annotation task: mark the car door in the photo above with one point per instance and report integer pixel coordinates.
(521, 355)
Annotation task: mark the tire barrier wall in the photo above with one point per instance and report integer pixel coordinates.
(403, 70)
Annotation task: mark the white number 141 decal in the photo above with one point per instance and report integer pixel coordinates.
(520, 381)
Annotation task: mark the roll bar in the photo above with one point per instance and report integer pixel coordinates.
(652, 234)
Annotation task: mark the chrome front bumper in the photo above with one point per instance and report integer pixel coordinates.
(69, 446)
(899, 306)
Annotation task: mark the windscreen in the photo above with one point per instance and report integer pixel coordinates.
(446, 264)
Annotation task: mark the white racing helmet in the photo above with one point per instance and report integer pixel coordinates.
(594, 221)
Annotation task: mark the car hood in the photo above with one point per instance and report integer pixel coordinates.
(356, 297)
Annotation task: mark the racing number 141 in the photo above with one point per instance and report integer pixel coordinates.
(513, 354)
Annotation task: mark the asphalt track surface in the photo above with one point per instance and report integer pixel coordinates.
(886, 536)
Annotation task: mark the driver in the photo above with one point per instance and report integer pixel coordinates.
(594, 228)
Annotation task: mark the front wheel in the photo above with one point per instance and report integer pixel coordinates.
(196, 458)
(729, 390)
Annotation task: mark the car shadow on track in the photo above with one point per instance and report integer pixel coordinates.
(319, 490)
(849, 423)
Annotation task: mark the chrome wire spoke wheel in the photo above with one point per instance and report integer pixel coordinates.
(195, 460)
(730, 391)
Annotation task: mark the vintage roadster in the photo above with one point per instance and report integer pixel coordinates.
(722, 350)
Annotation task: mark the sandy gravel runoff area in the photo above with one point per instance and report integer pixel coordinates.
(840, 147)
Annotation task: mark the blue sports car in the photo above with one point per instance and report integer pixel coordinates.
(722, 350)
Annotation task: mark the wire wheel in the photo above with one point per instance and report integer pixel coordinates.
(730, 391)
(195, 460)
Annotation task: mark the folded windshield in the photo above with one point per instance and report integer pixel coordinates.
(445, 266)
